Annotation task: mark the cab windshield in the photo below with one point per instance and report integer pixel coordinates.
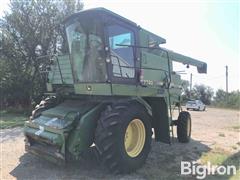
(86, 49)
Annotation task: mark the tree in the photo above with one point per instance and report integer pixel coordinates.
(30, 29)
(204, 93)
(186, 95)
(220, 96)
(227, 100)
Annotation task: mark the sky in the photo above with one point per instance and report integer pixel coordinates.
(207, 30)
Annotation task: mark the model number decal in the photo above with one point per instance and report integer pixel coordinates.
(151, 83)
(147, 82)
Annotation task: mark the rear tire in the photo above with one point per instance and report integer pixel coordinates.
(110, 137)
(184, 127)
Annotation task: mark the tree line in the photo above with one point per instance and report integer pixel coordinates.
(206, 94)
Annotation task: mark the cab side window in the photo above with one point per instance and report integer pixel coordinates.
(122, 56)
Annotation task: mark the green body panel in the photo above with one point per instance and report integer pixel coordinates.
(52, 137)
(147, 36)
(144, 103)
(93, 88)
(46, 128)
(83, 135)
(150, 60)
(68, 110)
(118, 90)
(155, 70)
(131, 90)
(38, 135)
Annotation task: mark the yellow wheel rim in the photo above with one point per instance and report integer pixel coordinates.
(134, 137)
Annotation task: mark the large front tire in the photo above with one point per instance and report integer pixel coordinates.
(123, 137)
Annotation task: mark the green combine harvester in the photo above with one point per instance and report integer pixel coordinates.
(110, 91)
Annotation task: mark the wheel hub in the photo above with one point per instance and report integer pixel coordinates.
(134, 138)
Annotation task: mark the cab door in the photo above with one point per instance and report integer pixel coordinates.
(122, 56)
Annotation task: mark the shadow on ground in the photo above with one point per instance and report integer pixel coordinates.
(163, 162)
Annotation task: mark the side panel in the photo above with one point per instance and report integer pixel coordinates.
(160, 119)
(131, 90)
(83, 135)
(154, 68)
(93, 89)
(119, 90)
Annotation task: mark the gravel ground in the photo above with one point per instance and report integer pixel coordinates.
(212, 129)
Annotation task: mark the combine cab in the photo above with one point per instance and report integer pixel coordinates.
(115, 86)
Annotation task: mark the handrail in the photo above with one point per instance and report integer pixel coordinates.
(118, 63)
(60, 70)
(58, 64)
(155, 69)
(201, 66)
(142, 68)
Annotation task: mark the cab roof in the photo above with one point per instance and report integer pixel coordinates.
(107, 12)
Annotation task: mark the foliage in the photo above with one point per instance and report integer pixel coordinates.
(227, 100)
(186, 92)
(202, 92)
(205, 94)
(30, 29)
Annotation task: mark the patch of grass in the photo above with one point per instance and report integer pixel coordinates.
(221, 134)
(237, 128)
(234, 147)
(222, 158)
(10, 120)
(19, 110)
(215, 158)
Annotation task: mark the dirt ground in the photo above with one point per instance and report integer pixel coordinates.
(214, 129)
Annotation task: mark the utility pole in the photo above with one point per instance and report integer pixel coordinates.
(190, 86)
(190, 82)
(226, 79)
